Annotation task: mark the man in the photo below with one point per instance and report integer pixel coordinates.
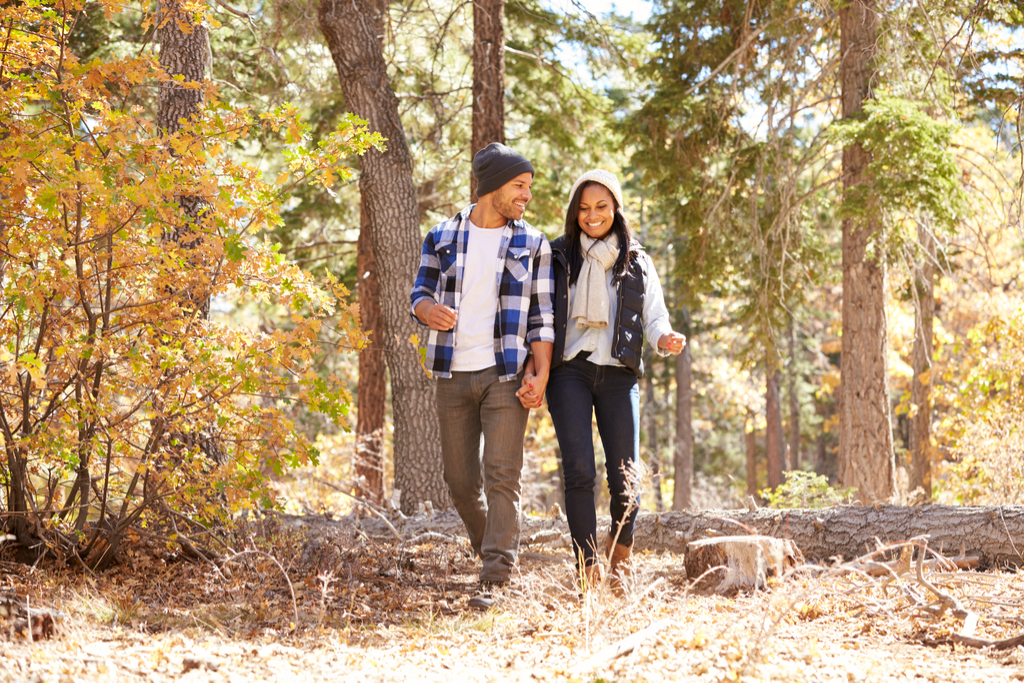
(484, 288)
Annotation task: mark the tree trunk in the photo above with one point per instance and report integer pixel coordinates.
(353, 29)
(866, 458)
(774, 442)
(920, 388)
(488, 77)
(682, 461)
(372, 387)
(651, 420)
(794, 401)
(750, 441)
(184, 52)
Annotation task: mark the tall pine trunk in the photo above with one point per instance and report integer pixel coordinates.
(371, 389)
(774, 441)
(920, 389)
(353, 30)
(866, 458)
(794, 401)
(682, 497)
(488, 77)
(185, 53)
(650, 417)
(750, 445)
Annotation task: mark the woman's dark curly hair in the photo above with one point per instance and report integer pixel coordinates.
(620, 226)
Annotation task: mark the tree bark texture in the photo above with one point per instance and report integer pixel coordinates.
(920, 445)
(371, 389)
(184, 51)
(353, 30)
(682, 461)
(488, 77)
(650, 414)
(866, 458)
(774, 441)
(992, 533)
(750, 444)
(794, 401)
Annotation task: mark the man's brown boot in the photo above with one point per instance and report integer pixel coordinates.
(593, 576)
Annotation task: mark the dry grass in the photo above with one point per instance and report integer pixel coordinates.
(381, 611)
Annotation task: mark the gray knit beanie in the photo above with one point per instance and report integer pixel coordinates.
(495, 165)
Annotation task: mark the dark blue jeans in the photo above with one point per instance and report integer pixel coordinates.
(577, 390)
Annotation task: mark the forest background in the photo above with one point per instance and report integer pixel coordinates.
(206, 257)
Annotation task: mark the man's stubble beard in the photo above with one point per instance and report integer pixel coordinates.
(504, 206)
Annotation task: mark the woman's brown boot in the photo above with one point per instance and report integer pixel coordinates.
(620, 563)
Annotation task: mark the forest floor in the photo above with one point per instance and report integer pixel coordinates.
(334, 604)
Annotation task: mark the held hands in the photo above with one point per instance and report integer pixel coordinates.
(673, 342)
(531, 393)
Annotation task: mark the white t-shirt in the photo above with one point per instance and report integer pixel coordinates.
(478, 307)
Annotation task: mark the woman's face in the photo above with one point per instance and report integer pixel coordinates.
(597, 211)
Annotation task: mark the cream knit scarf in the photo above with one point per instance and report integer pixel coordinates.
(591, 306)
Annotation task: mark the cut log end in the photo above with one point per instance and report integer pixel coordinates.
(738, 563)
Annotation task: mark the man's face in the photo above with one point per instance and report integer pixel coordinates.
(511, 198)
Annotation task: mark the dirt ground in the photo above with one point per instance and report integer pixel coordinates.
(342, 606)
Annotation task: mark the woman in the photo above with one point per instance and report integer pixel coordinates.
(608, 299)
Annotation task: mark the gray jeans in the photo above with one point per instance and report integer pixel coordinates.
(484, 483)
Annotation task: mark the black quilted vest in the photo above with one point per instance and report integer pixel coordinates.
(628, 342)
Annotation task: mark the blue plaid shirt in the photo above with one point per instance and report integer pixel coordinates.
(525, 285)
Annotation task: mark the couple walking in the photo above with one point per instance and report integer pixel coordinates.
(514, 319)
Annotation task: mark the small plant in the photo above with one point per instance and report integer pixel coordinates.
(806, 490)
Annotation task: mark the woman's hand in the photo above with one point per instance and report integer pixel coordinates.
(531, 393)
(673, 342)
(527, 394)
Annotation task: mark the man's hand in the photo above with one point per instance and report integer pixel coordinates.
(436, 316)
(673, 342)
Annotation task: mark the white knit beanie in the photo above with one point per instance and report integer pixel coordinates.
(604, 177)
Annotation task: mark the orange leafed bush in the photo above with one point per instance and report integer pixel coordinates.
(115, 389)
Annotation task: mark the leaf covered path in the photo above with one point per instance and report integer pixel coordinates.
(373, 611)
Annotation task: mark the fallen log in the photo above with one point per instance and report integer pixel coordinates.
(995, 535)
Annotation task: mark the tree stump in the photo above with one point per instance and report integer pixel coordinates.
(733, 563)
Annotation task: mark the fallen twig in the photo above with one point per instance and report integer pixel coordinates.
(295, 606)
(971, 641)
(431, 536)
(624, 646)
(372, 507)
